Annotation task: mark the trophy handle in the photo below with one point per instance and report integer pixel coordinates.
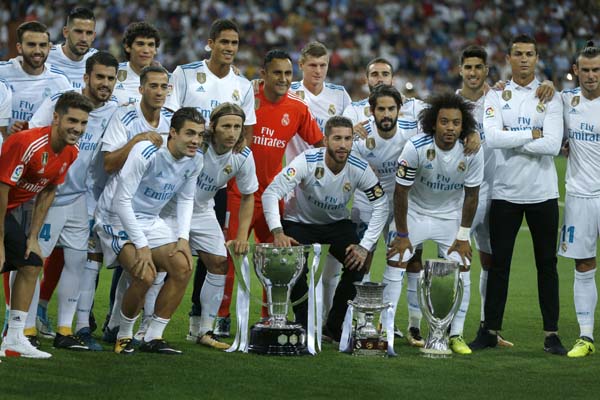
(423, 303)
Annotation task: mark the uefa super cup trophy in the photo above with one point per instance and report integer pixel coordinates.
(367, 339)
(278, 269)
(440, 293)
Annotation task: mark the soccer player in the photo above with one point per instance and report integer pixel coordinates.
(30, 78)
(79, 34)
(68, 220)
(140, 45)
(130, 229)
(280, 115)
(579, 233)
(5, 109)
(433, 176)
(323, 181)
(32, 164)
(221, 165)
(144, 120)
(527, 135)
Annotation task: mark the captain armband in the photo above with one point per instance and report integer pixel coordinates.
(405, 172)
(375, 192)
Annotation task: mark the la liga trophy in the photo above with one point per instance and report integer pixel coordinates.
(440, 293)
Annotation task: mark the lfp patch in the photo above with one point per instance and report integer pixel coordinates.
(290, 173)
(489, 112)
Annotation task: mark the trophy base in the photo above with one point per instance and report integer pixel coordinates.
(286, 341)
(435, 353)
(374, 347)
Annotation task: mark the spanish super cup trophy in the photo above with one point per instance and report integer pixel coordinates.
(440, 293)
(367, 339)
(278, 269)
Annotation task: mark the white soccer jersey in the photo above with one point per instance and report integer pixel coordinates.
(525, 171)
(79, 177)
(582, 128)
(73, 69)
(332, 100)
(127, 89)
(437, 177)
(127, 122)
(145, 184)
(359, 111)
(382, 155)
(320, 196)
(29, 91)
(194, 85)
(5, 105)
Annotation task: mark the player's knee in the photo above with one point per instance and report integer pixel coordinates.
(29, 272)
(219, 266)
(585, 265)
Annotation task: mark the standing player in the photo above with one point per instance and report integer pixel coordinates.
(5, 109)
(579, 233)
(32, 164)
(221, 165)
(323, 181)
(280, 115)
(68, 221)
(130, 229)
(527, 135)
(79, 34)
(434, 166)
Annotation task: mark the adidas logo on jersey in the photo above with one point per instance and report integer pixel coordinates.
(429, 166)
(120, 86)
(159, 175)
(201, 89)
(317, 183)
(370, 155)
(573, 111)
(506, 107)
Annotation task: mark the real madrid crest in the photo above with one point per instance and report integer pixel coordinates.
(378, 192)
(540, 108)
(300, 93)
(401, 173)
(462, 166)
(370, 143)
(235, 95)
(563, 246)
(331, 109)
(228, 169)
(431, 154)
(44, 158)
(122, 75)
(367, 111)
(201, 77)
(256, 103)
(285, 120)
(347, 187)
(319, 172)
(506, 95)
(575, 101)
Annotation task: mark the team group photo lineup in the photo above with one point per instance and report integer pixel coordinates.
(185, 151)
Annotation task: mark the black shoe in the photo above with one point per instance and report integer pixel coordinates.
(69, 342)
(33, 339)
(159, 346)
(553, 345)
(484, 339)
(92, 322)
(329, 337)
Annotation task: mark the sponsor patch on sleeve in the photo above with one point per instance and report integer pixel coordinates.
(489, 112)
(16, 175)
(375, 192)
(289, 173)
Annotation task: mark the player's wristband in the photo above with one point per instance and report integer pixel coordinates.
(463, 233)
(402, 234)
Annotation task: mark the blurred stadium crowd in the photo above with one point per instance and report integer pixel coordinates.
(421, 38)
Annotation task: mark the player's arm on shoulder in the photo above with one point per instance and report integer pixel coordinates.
(545, 92)
(43, 115)
(114, 160)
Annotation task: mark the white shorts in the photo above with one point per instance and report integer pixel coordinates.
(66, 226)
(481, 226)
(206, 234)
(113, 237)
(579, 233)
(423, 227)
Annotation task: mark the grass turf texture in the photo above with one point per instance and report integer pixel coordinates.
(525, 371)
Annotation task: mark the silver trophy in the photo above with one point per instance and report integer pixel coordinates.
(440, 293)
(367, 339)
(278, 269)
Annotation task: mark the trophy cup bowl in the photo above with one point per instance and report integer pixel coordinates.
(440, 292)
(278, 269)
(367, 339)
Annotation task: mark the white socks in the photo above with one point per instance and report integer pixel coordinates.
(458, 323)
(156, 328)
(414, 312)
(16, 324)
(483, 277)
(125, 325)
(68, 287)
(586, 297)
(32, 313)
(87, 290)
(211, 295)
(115, 314)
(392, 277)
(152, 294)
(330, 277)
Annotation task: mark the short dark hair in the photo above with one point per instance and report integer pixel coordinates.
(382, 90)
(379, 60)
(522, 38)
(473, 51)
(221, 25)
(149, 69)
(428, 116)
(102, 58)
(589, 51)
(337, 121)
(275, 54)
(31, 26)
(186, 114)
(222, 110)
(80, 13)
(313, 49)
(72, 99)
(139, 29)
